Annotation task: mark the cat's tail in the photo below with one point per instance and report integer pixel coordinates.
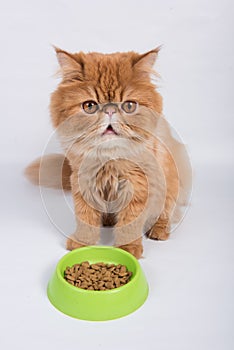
(52, 171)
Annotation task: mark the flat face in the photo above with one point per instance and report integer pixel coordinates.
(100, 78)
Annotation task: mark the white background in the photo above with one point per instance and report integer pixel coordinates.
(190, 305)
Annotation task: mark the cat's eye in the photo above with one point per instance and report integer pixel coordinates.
(129, 106)
(90, 107)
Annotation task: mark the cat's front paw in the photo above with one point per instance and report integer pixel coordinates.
(135, 248)
(158, 233)
(71, 244)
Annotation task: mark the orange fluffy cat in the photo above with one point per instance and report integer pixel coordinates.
(106, 111)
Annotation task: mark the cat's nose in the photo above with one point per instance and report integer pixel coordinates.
(110, 109)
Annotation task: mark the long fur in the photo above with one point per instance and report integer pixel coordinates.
(51, 171)
(132, 180)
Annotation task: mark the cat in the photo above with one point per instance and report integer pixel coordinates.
(106, 111)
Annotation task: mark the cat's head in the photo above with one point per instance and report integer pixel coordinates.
(105, 97)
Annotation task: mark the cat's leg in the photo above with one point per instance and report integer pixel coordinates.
(129, 231)
(88, 224)
(161, 229)
(131, 221)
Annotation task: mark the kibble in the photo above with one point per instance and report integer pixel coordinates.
(98, 276)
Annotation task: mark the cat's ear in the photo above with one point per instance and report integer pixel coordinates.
(145, 62)
(71, 68)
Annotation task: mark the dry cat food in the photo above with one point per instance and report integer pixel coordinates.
(98, 276)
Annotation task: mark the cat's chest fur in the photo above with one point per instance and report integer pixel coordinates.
(110, 186)
(125, 182)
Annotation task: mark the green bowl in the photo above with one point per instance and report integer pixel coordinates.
(98, 305)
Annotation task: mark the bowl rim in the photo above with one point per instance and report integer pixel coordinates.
(111, 291)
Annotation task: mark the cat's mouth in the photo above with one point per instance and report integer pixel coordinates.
(110, 131)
